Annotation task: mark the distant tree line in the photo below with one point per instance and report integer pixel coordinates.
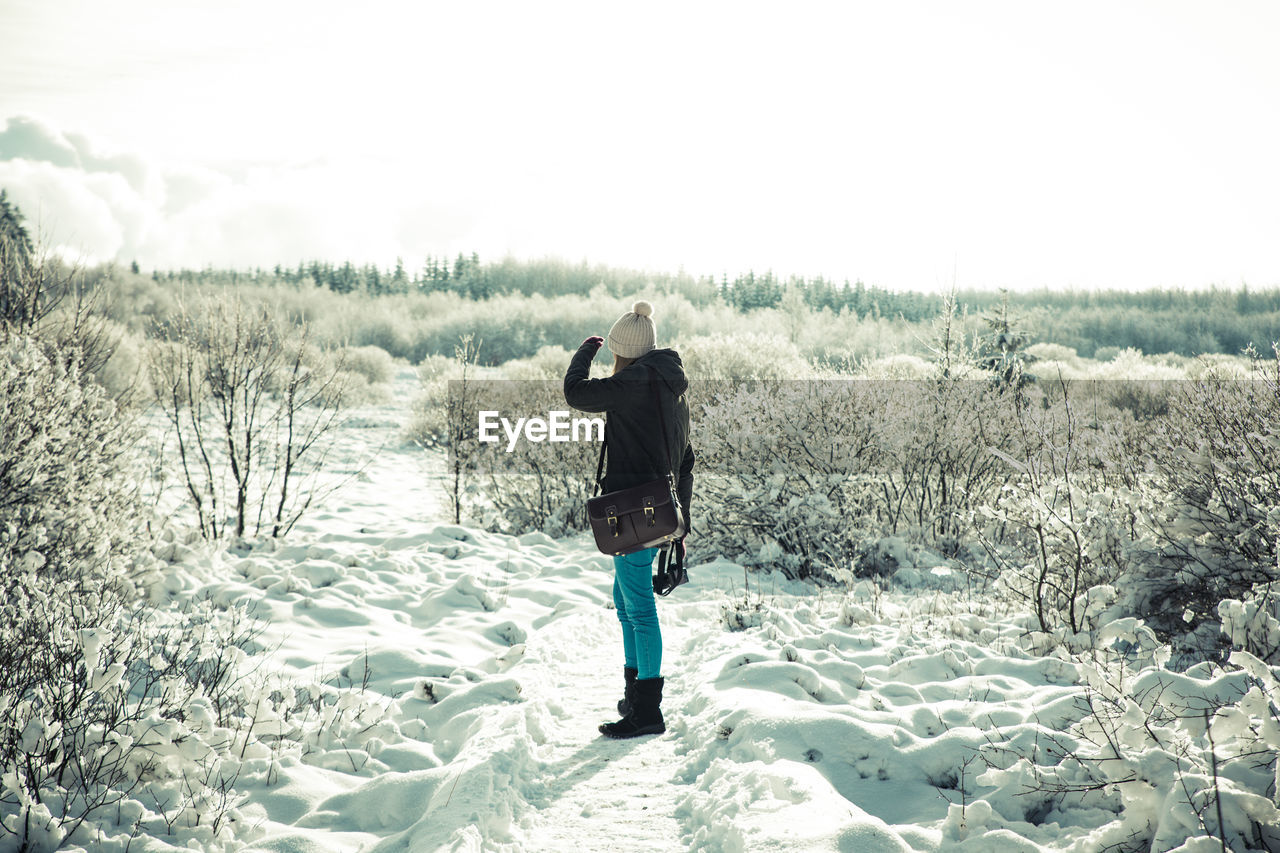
(1093, 322)
(467, 276)
(1187, 322)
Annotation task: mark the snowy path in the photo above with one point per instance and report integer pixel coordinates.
(600, 794)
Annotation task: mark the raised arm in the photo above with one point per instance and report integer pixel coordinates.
(590, 395)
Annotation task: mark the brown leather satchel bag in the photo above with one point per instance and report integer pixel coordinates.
(643, 516)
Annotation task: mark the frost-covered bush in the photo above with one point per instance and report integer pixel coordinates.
(1253, 625)
(1166, 493)
(429, 422)
(124, 373)
(1220, 365)
(1044, 351)
(1106, 353)
(548, 363)
(848, 339)
(67, 497)
(395, 335)
(1215, 519)
(935, 437)
(434, 367)
(428, 418)
(515, 326)
(352, 389)
(901, 366)
(787, 472)
(99, 694)
(1131, 364)
(743, 356)
(1183, 761)
(135, 711)
(798, 475)
(1146, 400)
(373, 363)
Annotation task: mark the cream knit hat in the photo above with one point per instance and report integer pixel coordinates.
(634, 333)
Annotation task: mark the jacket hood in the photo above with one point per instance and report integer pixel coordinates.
(669, 367)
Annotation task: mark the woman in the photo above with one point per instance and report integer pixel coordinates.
(637, 453)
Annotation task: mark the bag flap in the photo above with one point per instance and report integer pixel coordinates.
(656, 493)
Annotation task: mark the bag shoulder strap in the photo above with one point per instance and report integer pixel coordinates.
(670, 557)
(662, 424)
(604, 442)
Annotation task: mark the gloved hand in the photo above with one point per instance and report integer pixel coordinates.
(595, 342)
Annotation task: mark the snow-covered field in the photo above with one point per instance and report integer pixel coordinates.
(477, 667)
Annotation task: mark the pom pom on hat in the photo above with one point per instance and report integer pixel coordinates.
(634, 334)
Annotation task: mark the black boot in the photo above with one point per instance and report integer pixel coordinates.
(624, 704)
(646, 712)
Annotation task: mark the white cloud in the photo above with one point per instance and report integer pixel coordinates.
(116, 207)
(63, 209)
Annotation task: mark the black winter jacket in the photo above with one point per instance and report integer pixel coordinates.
(632, 430)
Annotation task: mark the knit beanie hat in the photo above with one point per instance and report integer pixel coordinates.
(634, 333)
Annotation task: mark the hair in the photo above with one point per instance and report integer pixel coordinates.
(619, 362)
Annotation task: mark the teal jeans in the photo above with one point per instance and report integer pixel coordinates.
(638, 612)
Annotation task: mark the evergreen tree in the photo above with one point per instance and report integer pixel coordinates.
(14, 239)
(399, 280)
(343, 279)
(373, 280)
(1000, 350)
(17, 255)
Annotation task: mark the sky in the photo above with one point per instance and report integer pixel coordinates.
(910, 144)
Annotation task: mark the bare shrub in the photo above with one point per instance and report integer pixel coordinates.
(460, 418)
(935, 438)
(1068, 518)
(525, 486)
(253, 411)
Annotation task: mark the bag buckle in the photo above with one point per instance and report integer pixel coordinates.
(612, 513)
(648, 510)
